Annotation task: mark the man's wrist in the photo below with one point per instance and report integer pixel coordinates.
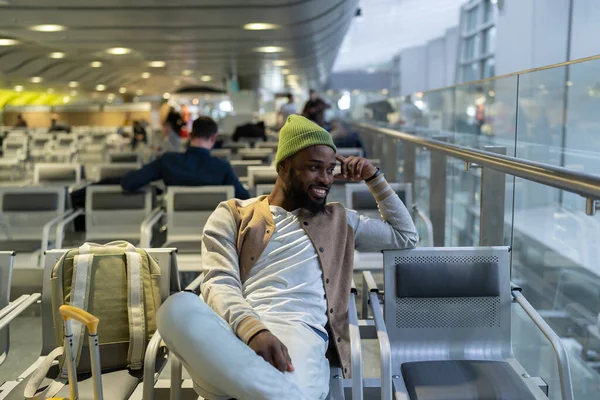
(375, 175)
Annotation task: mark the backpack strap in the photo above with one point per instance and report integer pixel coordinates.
(80, 293)
(32, 389)
(135, 307)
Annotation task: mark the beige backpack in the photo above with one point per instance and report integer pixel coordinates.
(120, 285)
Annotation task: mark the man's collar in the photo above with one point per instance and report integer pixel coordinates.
(195, 149)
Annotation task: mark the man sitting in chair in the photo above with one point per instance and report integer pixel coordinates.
(277, 277)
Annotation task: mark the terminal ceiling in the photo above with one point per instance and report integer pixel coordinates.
(199, 41)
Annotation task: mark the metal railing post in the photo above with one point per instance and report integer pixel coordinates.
(390, 161)
(409, 166)
(437, 194)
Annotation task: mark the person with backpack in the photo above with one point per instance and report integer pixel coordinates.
(277, 276)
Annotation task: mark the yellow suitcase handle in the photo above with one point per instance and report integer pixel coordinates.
(70, 312)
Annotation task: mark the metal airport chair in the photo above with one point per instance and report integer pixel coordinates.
(188, 209)
(360, 198)
(93, 148)
(446, 327)
(125, 157)
(240, 167)
(112, 214)
(261, 176)
(9, 310)
(11, 170)
(268, 145)
(236, 146)
(350, 151)
(64, 147)
(40, 146)
(264, 155)
(6, 266)
(15, 147)
(28, 214)
(115, 170)
(56, 173)
(260, 190)
(224, 154)
(117, 384)
(94, 142)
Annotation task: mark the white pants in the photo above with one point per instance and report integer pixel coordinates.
(223, 367)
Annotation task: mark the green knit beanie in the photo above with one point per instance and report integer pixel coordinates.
(299, 133)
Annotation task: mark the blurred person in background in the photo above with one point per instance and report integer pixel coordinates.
(58, 126)
(314, 109)
(184, 133)
(21, 123)
(287, 109)
(343, 137)
(172, 128)
(140, 136)
(411, 114)
(195, 167)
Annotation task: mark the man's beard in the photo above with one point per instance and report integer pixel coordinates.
(296, 191)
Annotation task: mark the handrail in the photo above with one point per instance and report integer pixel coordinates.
(586, 185)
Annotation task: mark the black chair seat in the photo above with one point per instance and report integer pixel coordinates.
(464, 380)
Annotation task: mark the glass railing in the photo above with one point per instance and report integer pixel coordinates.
(551, 116)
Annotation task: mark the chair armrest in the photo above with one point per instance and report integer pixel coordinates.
(46, 230)
(150, 375)
(60, 228)
(428, 224)
(17, 310)
(562, 357)
(146, 227)
(356, 350)
(194, 286)
(385, 347)
(368, 286)
(12, 305)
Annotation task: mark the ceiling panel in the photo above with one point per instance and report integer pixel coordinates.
(205, 36)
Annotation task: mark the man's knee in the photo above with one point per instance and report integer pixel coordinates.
(176, 310)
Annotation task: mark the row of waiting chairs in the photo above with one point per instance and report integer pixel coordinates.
(73, 173)
(45, 146)
(33, 217)
(442, 324)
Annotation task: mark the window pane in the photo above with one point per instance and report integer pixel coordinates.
(489, 40)
(469, 48)
(489, 68)
(470, 72)
(472, 18)
(489, 11)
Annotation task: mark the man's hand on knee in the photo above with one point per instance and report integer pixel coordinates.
(266, 345)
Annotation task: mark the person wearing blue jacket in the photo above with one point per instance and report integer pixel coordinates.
(195, 167)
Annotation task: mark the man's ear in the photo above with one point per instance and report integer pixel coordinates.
(283, 167)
